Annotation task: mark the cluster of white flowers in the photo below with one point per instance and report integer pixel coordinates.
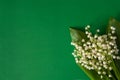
(96, 53)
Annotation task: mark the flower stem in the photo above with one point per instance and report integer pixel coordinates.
(117, 73)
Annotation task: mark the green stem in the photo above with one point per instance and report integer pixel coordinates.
(113, 77)
(117, 73)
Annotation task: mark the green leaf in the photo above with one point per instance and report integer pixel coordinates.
(90, 73)
(77, 35)
(116, 24)
(116, 63)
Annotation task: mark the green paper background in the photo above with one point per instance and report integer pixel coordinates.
(35, 39)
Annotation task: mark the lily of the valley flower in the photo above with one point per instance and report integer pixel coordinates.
(96, 53)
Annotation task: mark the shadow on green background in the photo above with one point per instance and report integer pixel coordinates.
(35, 40)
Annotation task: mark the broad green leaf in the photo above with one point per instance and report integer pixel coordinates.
(77, 35)
(116, 63)
(116, 24)
(90, 73)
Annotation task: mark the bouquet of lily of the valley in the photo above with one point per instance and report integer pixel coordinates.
(98, 55)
